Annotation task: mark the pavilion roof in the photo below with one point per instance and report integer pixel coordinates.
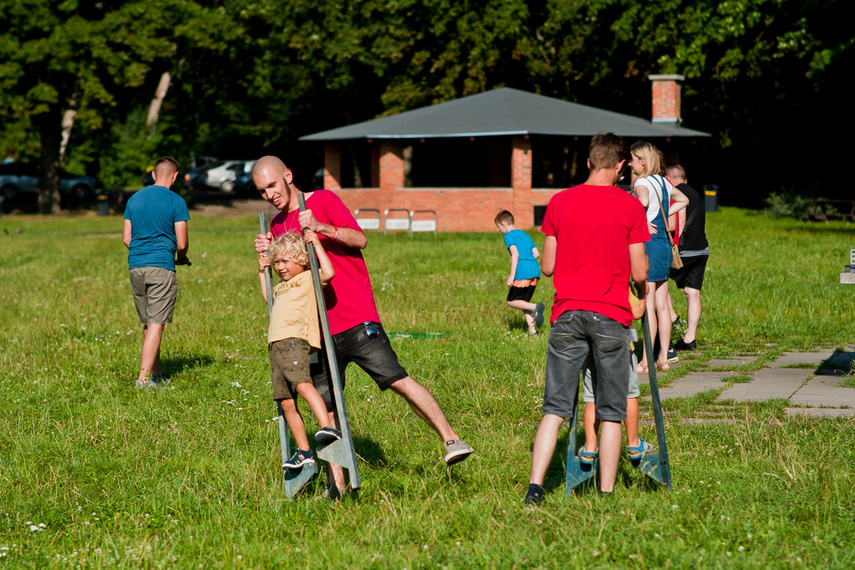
(503, 111)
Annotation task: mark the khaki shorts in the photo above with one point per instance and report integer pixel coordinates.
(289, 366)
(155, 290)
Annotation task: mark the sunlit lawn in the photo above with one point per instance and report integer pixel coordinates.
(96, 473)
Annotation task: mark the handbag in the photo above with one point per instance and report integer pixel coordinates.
(676, 262)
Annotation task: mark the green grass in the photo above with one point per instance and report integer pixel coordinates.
(189, 476)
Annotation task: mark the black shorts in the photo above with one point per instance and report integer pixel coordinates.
(691, 275)
(366, 345)
(521, 293)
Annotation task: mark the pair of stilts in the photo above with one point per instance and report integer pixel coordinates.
(653, 464)
(340, 452)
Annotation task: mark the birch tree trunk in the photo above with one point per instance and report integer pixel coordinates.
(159, 96)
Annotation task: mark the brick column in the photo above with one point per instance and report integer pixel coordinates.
(666, 98)
(391, 166)
(332, 166)
(523, 209)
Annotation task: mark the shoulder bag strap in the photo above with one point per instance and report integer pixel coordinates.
(662, 211)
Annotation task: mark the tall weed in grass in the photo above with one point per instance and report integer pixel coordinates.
(95, 473)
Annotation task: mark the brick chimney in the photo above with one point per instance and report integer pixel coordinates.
(666, 98)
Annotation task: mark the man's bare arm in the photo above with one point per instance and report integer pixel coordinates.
(547, 262)
(181, 243)
(126, 234)
(346, 236)
(638, 266)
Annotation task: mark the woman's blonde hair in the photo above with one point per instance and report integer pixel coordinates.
(652, 157)
(291, 247)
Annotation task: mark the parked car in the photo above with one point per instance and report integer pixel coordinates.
(19, 177)
(220, 175)
(223, 175)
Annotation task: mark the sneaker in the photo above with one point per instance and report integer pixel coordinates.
(538, 315)
(145, 384)
(672, 354)
(161, 381)
(300, 459)
(327, 435)
(682, 345)
(534, 496)
(456, 451)
(333, 493)
(678, 324)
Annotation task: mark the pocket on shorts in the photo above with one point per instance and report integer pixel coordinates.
(611, 335)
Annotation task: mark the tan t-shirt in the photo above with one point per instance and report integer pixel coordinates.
(295, 311)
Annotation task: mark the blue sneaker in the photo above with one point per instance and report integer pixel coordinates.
(327, 435)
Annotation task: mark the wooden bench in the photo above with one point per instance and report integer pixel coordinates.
(824, 210)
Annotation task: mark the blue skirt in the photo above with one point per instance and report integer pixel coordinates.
(659, 255)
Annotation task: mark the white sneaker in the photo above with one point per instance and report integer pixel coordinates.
(456, 451)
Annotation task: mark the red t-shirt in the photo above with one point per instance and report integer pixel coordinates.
(594, 227)
(349, 298)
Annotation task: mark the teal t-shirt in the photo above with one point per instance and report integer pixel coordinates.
(527, 267)
(153, 212)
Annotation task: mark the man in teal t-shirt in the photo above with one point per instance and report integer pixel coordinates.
(155, 233)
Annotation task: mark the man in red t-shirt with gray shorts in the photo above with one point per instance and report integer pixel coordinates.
(594, 243)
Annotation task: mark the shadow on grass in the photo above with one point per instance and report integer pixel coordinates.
(369, 452)
(175, 366)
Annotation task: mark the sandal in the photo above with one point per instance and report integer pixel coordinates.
(663, 366)
(588, 457)
(642, 369)
(638, 451)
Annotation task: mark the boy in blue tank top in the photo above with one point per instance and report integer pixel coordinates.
(524, 273)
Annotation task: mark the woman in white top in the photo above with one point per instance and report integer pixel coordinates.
(652, 189)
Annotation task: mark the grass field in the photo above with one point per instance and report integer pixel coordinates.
(94, 473)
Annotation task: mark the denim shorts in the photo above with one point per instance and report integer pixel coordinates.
(366, 345)
(573, 335)
(155, 290)
(289, 366)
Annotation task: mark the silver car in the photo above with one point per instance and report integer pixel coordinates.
(223, 174)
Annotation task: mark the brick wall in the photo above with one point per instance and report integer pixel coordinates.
(458, 209)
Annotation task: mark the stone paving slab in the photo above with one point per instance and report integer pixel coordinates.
(824, 391)
(821, 412)
(694, 383)
(794, 358)
(732, 362)
(768, 384)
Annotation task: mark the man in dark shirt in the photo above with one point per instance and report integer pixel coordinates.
(694, 251)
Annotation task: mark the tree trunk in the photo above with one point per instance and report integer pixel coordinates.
(50, 130)
(159, 96)
(67, 123)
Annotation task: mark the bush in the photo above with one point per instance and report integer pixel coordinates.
(787, 204)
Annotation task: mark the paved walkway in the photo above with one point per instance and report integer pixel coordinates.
(809, 381)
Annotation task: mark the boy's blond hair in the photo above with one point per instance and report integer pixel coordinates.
(291, 247)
